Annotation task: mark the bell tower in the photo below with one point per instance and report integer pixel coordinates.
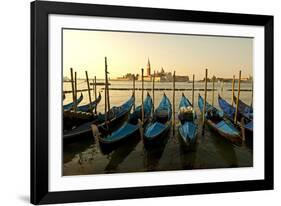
(148, 70)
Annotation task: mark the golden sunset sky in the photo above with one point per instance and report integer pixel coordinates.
(128, 52)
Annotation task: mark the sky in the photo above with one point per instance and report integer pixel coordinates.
(128, 52)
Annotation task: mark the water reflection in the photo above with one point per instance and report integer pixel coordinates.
(70, 150)
(153, 152)
(226, 151)
(120, 153)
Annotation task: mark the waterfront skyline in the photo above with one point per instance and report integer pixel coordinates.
(128, 52)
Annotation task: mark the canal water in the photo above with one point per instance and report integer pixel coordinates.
(211, 151)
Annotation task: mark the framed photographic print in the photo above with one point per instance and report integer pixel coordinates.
(131, 102)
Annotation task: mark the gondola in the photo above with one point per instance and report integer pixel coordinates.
(73, 119)
(115, 116)
(160, 123)
(131, 127)
(89, 107)
(215, 120)
(83, 114)
(244, 109)
(188, 128)
(70, 105)
(228, 109)
(229, 112)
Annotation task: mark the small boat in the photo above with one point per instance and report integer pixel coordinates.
(244, 109)
(88, 107)
(215, 120)
(131, 127)
(187, 116)
(73, 119)
(229, 112)
(114, 117)
(228, 109)
(83, 114)
(70, 105)
(161, 122)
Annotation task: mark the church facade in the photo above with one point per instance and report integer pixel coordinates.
(162, 76)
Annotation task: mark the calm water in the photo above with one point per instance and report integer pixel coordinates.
(211, 151)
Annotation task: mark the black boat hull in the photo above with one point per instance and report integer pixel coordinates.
(86, 132)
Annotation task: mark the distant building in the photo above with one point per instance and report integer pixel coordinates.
(161, 76)
(128, 77)
(148, 70)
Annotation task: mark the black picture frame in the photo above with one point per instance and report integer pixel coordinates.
(39, 101)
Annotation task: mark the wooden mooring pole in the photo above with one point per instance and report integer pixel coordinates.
(134, 88)
(95, 92)
(107, 88)
(89, 91)
(205, 95)
(252, 94)
(237, 99)
(193, 79)
(213, 91)
(105, 94)
(153, 87)
(233, 85)
(72, 85)
(174, 115)
(142, 96)
(75, 86)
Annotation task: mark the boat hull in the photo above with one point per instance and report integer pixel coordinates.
(161, 135)
(86, 131)
(71, 105)
(113, 124)
(117, 142)
(188, 139)
(73, 119)
(234, 138)
(218, 124)
(115, 121)
(161, 122)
